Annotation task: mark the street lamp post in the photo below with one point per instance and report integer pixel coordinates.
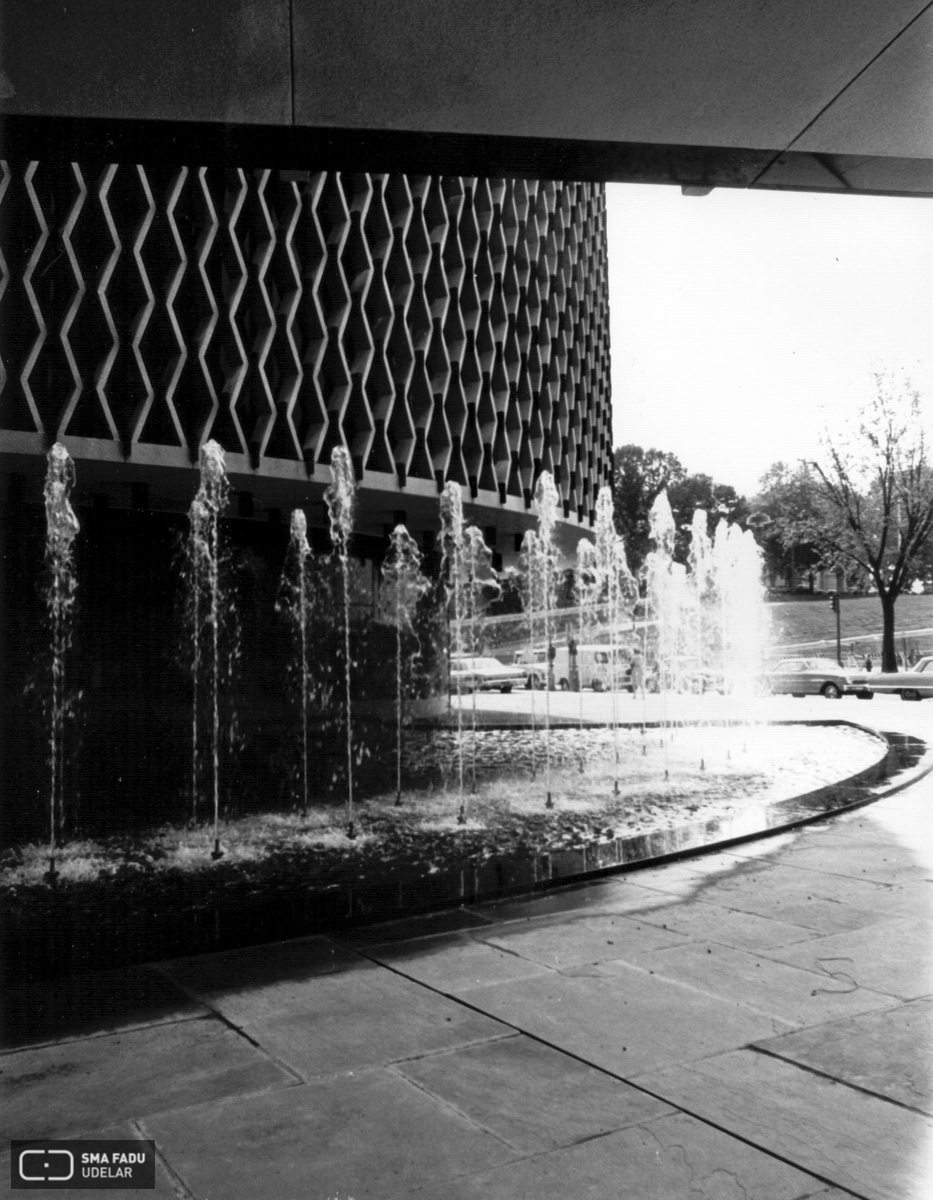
(836, 601)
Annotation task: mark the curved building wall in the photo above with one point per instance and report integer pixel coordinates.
(440, 327)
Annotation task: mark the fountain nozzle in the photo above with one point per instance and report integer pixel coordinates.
(52, 874)
(217, 852)
(461, 816)
(351, 830)
(549, 803)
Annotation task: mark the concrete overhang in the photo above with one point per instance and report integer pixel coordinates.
(829, 96)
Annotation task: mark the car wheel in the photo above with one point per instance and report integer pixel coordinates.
(799, 695)
(505, 689)
(831, 691)
(866, 695)
(910, 694)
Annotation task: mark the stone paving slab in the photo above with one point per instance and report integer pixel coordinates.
(615, 895)
(76, 1087)
(671, 1158)
(280, 970)
(891, 956)
(858, 855)
(708, 922)
(625, 1020)
(532, 1097)
(568, 943)
(165, 1184)
(684, 876)
(827, 904)
(84, 1005)
(450, 920)
(888, 1053)
(854, 1140)
(774, 874)
(364, 1134)
(913, 901)
(319, 1020)
(794, 995)
(454, 962)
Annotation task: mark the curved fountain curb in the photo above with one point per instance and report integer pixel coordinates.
(860, 779)
(906, 778)
(66, 945)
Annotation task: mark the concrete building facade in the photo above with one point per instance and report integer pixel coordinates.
(439, 327)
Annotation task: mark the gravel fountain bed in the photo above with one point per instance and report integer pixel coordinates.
(129, 900)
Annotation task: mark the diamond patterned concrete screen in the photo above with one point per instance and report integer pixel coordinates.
(440, 327)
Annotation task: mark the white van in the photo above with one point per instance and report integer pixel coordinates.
(594, 662)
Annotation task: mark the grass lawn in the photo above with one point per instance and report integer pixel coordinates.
(806, 620)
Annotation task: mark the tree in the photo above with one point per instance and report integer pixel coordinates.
(639, 478)
(874, 487)
(788, 499)
(715, 499)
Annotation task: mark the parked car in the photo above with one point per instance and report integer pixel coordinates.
(916, 683)
(533, 666)
(483, 675)
(690, 675)
(818, 677)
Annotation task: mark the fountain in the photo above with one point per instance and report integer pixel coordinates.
(207, 608)
(451, 514)
(745, 633)
(467, 572)
(296, 601)
(61, 530)
(544, 507)
(618, 586)
(600, 815)
(403, 586)
(534, 603)
(478, 579)
(704, 597)
(586, 588)
(340, 496)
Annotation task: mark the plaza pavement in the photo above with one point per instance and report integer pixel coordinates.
(755, 1022)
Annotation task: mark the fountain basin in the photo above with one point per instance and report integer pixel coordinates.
(121, 903)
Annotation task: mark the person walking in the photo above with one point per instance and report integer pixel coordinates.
(638, 674)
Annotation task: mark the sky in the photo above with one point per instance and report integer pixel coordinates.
(743, 322)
